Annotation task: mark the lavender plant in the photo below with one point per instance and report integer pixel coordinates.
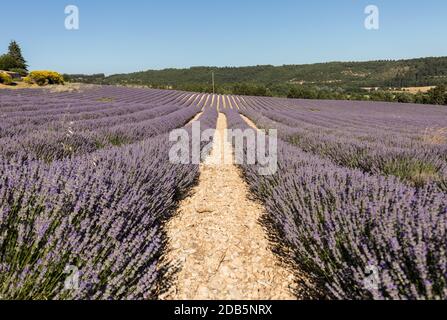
(340, 223)
(361, 140)
(101, 213)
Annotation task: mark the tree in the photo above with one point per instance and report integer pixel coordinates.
(7, 62)
(15, 52)
(303, 93)
(422, 98)
(437, 95)
(404, 98)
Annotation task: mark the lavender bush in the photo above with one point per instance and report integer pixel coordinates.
(51, 133)
(340, 223)
(358, 137)
(101, 213)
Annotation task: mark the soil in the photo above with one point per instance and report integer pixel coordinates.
(217, 242)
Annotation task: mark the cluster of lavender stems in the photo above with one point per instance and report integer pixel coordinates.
(98, 211)
(349, 233)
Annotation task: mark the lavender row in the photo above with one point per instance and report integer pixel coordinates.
(341, 224)
(24, 100)
(82, 122)
(367, 132)
(50, 145)
(14, 123)
(346, 115)
(418, 164)
(101, 214)
(23, 106)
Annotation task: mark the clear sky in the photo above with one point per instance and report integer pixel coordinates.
(124, 36)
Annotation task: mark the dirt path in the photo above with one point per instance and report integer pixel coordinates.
(249, 122)
(196, 117)
(217, 241)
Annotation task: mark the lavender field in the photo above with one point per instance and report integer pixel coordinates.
(86, 181)
(361, 187)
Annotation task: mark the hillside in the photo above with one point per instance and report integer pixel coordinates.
(347, 75)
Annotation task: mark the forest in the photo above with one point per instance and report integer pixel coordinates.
(333, 80)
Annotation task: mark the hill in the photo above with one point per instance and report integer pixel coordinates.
(390, 73)
(335, 80)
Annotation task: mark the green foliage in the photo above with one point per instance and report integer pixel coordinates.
(15, 52)
(43, 78)
(422, 98)
(382, 96)
(5, 78)
(28, 80)
(13, 59)
(22, 72)
(302, 93)
(438, 95)
(416, 172)
(94, 78)
(334, 80)
(250, 90)
(7, 62)
(105, 99)
(404, 98)
(385, 73)
(118, 140)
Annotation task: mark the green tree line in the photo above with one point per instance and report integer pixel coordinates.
(334, 80)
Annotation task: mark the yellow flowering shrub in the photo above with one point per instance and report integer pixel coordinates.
(27, 80)
(5, 78)
(43, 78)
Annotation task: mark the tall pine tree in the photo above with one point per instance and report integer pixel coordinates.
(15, 52)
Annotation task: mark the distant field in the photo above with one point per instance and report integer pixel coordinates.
(414, 90)
(86, 182)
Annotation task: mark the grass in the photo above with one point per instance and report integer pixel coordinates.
(435, 136)
(417, 172)
(117, 140)
(105, 99)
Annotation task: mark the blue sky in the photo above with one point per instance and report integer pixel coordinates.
(124, 36)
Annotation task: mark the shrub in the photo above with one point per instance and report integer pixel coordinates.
(22, 72)
(404, 98)
(43, 78)
(437, 95)
(5, 78)
(27, 80)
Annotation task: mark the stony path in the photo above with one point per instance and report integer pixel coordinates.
(217, 241)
